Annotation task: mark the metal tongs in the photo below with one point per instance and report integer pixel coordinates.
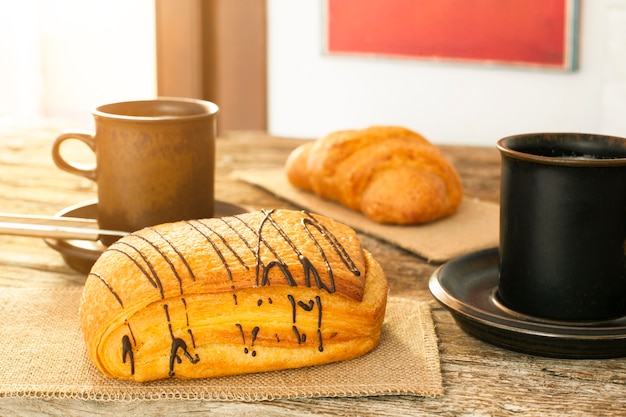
(53, 227)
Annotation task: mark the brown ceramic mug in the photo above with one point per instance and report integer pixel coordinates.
(155, 161)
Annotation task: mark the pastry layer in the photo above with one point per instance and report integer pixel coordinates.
(390, 174)
(257, 292)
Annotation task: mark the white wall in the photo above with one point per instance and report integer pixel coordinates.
(20, 69)
(312, 93)
(97, 52)
(61, 58)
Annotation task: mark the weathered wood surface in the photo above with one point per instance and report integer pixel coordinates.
(479, 379)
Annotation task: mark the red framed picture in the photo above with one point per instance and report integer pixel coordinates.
(539, 33)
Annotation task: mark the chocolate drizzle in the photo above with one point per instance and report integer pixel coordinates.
(334, 243)
(153, 281)
(130, 330)
(216, 249)
(127, 353)
(106, 284)
(180, 255)
(193, 339)
(226, 240)
(177, 344)
(255, 332)
(293, 307)
(253, 335)
(308, 307)
(243, 335)
(153, 278)
(307, 265)
(300, 338)
(127, 348)
(182, 300)
(223, 240)
(165, 258)
(283, 268)
(318, 301)
(254, 250)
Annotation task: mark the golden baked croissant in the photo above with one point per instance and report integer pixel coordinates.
(256, 292)
(390, 174)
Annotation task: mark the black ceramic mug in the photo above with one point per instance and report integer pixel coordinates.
(563, 225)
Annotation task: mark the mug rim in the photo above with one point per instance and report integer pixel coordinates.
(209, 108)
(504, 146)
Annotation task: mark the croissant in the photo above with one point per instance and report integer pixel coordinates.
(390, 174)
(256, 292)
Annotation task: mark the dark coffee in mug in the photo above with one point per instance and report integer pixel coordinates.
(563, 225)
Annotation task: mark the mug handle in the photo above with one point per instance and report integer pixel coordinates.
(87, 171)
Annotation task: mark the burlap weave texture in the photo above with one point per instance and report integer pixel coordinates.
(42, 354)
(474, 227)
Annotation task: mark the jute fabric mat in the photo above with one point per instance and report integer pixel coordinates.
(43, 355)
(475, 226)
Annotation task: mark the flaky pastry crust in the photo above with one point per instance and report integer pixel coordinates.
(261, 291)
(390, 174)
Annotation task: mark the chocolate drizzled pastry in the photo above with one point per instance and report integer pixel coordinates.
(256, 292)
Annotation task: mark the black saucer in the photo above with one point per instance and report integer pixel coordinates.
(467, 287)
(82, 254)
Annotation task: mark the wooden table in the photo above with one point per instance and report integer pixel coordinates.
(479, 379)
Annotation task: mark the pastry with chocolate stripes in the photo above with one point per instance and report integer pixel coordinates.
(261, 291)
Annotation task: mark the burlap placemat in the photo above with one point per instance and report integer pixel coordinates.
(474, 227)
(42, 354)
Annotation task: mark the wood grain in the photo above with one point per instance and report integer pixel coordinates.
(479, 379)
